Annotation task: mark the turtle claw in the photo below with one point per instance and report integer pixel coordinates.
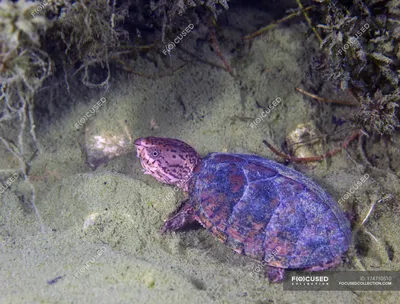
(184, 216)
(275, 274)
(325, 266)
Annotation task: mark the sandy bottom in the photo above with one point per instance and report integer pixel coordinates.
(101, 242)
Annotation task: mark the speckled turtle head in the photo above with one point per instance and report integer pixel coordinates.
(168, 160)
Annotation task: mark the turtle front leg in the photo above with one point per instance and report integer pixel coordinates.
(184, 215)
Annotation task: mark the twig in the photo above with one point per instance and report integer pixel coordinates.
(12, 148)
(128, 69)
(135, 48)
(362, 225)
(274, 24)
(201, 59)
(314, 158)
(309, 21)
(342, 102)
(105, 83)
(218, 51)
(384, 198)
(361, 150)
(365, 159)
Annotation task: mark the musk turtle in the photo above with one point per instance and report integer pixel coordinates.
(256, 206)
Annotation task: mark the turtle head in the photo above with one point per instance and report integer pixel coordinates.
(168, 160)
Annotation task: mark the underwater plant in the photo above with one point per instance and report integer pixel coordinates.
(23, 68)
(378, 113)
(362, 41)
(86, 33)
(168, 10)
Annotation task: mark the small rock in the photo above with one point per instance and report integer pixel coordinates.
(103, 145)
(305, 141)
(90, 220)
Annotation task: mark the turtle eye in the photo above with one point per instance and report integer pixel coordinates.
(155, 153)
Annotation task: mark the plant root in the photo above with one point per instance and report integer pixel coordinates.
(309, 21)
(218, 51)
(275, 24)
(361, 226)
(201, 59)
(342, 102)
(148, 76)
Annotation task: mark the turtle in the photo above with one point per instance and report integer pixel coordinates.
(258, 207)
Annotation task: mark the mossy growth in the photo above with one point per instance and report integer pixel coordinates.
(362, 39)
(85, 34)
(23, 64)
(378, 113)
(23, 68)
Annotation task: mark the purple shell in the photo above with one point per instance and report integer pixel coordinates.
(267, 211)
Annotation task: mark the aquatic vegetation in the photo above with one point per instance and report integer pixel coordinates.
(86, 33)
(378, 114)
(167, 11)
(23, 64)
(178, 7)
(362, 41)
(23, 68)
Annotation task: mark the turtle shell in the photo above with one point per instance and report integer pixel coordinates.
(267, 211)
